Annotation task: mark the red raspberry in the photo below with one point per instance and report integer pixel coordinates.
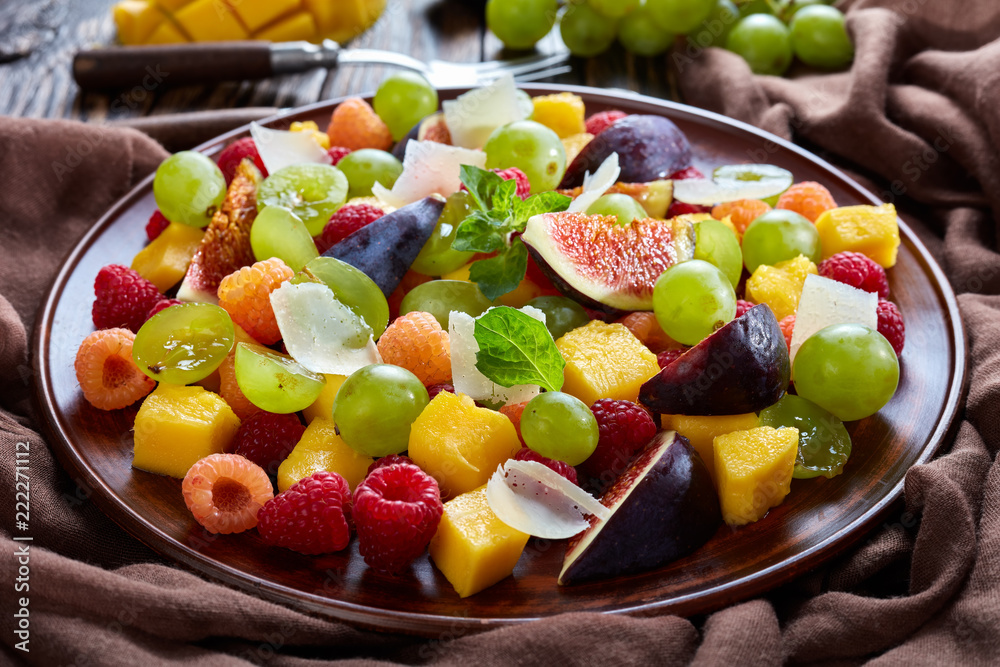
(890, 325)
(233, 154)
(742, 306)
(625, 428)
(687, 172)
(787, 325)
(680, 208)
(599, 122)
(396, 510)
(513, 174)
(157, 223)
(312, 517)
(561, 467)
(668, 357)
(391, 459)
(347, 220)
(163, 304)
(856, 270)
(267, 439)
(124, 298)
(436, 389)
(338, 153)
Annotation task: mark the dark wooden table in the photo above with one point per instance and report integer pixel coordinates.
(39, 37)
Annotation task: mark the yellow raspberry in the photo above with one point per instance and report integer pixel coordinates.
(417, 342)
(246, 295)
(107, 375)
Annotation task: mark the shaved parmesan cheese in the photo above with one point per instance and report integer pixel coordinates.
(428, 168)
(596, 184)
(472, 117)
(320, 332)
(531, 497)
(826, 302)
(281, 148)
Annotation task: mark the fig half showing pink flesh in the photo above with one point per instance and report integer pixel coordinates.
(662, 508)
(743, 367)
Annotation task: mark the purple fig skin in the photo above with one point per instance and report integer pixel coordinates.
(672, 510)
(649, 148)
(386, 248)
(743, 367)
(568, 290)
(418, 133)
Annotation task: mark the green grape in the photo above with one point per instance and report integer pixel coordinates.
(275, 382)
(526, 103)
(437, 257)
(623, 207)
(714, 30)
(717, 244)
(277, 232)
(819, 37)
(365, 167)
(849, 369)
(404, 99)
(183, 344)
(375, 407)
(560, 427)
(531, 147)
(640, 35)
(614, 9)
(585, 32)
(790, 9)
(679, 16)
(768, 180)
(780, 235)
(562, 314)
(189, 188)
(824, 443)
(764, 42)
(352, 288)
(313, 192)
(693, 299)
(519, 24)
(441, 297)
(748, 7)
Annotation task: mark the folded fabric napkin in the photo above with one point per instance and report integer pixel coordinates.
(916, 115)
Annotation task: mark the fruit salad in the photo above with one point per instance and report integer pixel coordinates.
(511, 320)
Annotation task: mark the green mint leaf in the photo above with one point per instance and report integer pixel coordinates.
(480, 232)
(515, 348)
(543, 202)
(503, 198)
(501, 274)
(480, 183)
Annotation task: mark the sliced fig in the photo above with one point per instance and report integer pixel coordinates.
(605, 265)
(743, 367)
(649, 148)
(431, 128)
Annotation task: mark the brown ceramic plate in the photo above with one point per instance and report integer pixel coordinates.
(819, 519)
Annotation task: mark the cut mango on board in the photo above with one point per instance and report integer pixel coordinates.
(174, 21)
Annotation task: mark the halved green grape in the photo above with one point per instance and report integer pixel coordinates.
(585, 32)
(313, 192)
(824, 443)
(275, 382)
(848, 369)
(531, 147)
(365, 167)
(441, 297)
(189, 188)
(562, 314)
(777, 236)
(614, 8)
(680, 16)
(437, 257)
(717, 244)
(183, 344)
(353, 288)
(714, 30)
(640, 35)
(768, 180)
(375, 407)
(519, 24)
(621, 206)
(403, 99)
(277, 232)
(764, 42)
(693, 299)
(560, 427)
(819, 37)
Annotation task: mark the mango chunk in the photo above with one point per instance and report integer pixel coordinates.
(323, 405)
(136, 20)
(300, 25)
(320, 448)
(472, 547)
(167, 33)
(753, 470)
(165, 260)
(780, 286)
(701, 431)
(210, 21)
(256, 15)
(177, 426)
(605, 361)
(560, 112)
(459, 444)
(870, 230)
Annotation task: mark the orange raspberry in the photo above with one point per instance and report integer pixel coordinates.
(787, 324)
(225, 491)
(514, 412)
(105, 370)
(228, 388)
(808, 198)
(417, 342)
(644, 326)
(355, 125)
(741, 212)
(246, 295)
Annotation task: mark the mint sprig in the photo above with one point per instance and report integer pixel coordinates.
(515, 348)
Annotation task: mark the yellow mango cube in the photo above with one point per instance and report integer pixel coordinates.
(562, 113)
(210, 21)
(256, 15)
(320, 448)
(753, 471)
(136, 20)
(167, 33)
(605, 361)
(780, 286)
(322, 407)
(177, 426)
(298, 26)
(870, 230)
(472, 547)
(701, 431)
(459, 444)
(165, 260)
(575, 143)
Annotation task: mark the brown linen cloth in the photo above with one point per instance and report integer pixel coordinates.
(914, 112)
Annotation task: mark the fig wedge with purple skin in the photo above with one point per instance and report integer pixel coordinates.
(743, 367)
(431, 128)
(649, 148)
